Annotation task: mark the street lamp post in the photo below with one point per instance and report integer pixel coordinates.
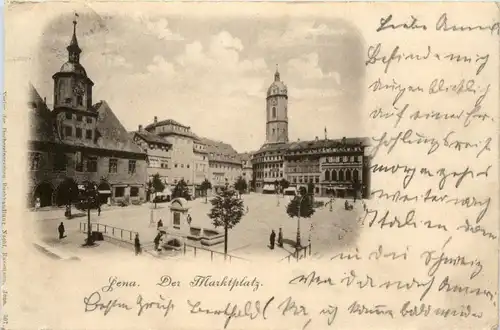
(276, 187)
(89, 190)
(298, 245)
(331, 200)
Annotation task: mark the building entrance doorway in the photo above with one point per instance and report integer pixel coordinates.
(44, 192)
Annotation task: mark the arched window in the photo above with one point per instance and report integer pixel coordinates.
(334, 175)
(341, 175)
(348, 175)
(355, 175)
(327, 175)
(274, 112)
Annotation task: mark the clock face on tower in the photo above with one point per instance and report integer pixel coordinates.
(79, 88)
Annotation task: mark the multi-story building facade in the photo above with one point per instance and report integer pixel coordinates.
(335, 166)
(159, 153)
(79, 142)
(181, 153)
(224, 163)
(200, 164)
(246, 168)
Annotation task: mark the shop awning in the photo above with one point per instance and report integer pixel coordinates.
(105, 192)
(268, 187)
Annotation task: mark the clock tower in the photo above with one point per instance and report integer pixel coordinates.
(73, 96)
(277, 111)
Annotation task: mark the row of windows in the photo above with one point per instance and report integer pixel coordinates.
(83, 163)
(68, 131)
(120, 191)
(155, 162)
(274, 131)
(224, 167)
(347, 175)
(304, 179)
(172, 127)
(269, 175)
(326, 150)
(159, 146)
(344, 159)
(199, 146)
(262, 166)
(303, 169)
(69, 115)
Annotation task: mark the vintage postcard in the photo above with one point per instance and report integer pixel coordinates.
(251, 166)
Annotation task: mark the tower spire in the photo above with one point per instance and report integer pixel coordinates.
(73, 48)
(326, 135)
(277, 74)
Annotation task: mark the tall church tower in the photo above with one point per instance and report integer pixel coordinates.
(277, 111)
(73, 96)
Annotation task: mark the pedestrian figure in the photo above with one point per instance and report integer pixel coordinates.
(189, 219)
(61, 231)
(37, 203)
(157, 241)
(160, 224)
(137, 244)
(280, 238)
(99, 209)
(272, 238)
(247, 208)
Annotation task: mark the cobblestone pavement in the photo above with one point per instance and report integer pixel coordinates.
(249, 239)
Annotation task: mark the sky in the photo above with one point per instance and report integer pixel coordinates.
(212, 74)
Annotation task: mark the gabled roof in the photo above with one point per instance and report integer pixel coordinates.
(169, 129)
(220, 151)
(314, 144)
(112, 134)
(274, 147)
(329, 143)
(42, 127)
(150, 137)
(166, 122)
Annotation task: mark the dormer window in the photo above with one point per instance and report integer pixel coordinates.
(79, 100)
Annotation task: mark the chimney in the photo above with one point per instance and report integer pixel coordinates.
(317, 139)
(140, 128)
(45, 100)
(156, 120)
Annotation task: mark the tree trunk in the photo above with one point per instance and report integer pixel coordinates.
(89, 227)
(206, 196)
(225, 241)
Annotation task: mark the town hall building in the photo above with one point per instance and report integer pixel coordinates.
(80, 142)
